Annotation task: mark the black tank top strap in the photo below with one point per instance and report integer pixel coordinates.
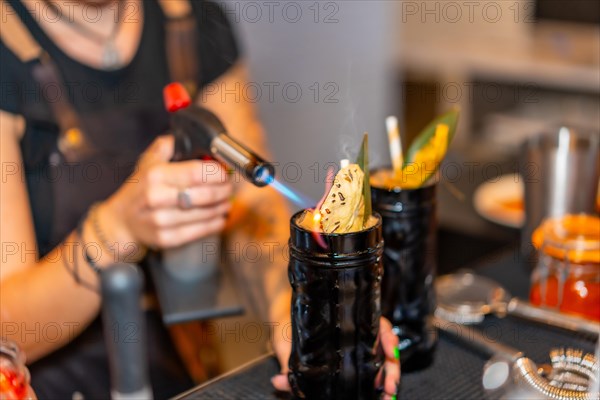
(181, 38)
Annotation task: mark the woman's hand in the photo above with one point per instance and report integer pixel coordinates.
(163, 204)
(388, 377)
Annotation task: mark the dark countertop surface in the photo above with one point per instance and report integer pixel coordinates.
(457, 369)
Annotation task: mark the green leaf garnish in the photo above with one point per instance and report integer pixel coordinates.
(363, 163)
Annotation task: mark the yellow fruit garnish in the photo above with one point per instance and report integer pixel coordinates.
(426, 160)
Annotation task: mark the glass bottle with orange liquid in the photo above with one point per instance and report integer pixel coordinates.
(567, 275)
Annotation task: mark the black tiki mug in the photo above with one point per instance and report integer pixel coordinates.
(408, 297)
(335, 313)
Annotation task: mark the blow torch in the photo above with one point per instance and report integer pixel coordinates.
(200, 134)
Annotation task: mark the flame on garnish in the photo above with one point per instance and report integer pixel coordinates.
(328, 185)
(317, 213)
(316, 228)
(317, 218)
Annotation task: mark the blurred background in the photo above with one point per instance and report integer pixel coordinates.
(337, 69)
(323, 73)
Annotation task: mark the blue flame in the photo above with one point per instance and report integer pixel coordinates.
(296, 198)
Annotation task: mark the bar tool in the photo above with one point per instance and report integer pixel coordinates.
(508, 371)
(125, 332)
(199, 134)
(180, 272)
(466, 298)
(560, 171)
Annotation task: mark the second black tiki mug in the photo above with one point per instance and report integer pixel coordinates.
(408, 298)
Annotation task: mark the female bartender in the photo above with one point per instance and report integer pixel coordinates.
(84, 162)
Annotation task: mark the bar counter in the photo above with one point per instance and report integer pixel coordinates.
(457, 368)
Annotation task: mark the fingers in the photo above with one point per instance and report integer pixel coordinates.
(282, 348)
(169, 238)
(389, 341)
(173, 217)
(392, 378)
(390, 373)
(150, 202)
(160, 196)
(391, 366)
(160, 150)
(188, 173)
(281, 383)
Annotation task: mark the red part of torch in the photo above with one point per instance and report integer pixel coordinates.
(200, 134)
(176, 97)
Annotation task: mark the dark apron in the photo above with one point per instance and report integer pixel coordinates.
(85, 164)
(65, 180)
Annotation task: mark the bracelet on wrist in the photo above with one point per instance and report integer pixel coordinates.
(93, 215)
(74, 272)
(140, 251)
(89, 261)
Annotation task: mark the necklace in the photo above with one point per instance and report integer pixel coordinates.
(111, 59)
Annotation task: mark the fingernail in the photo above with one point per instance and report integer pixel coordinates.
(396, 353)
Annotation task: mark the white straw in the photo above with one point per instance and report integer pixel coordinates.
(395, 144)
(560, 178)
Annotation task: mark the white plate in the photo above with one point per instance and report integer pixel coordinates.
(501, 200)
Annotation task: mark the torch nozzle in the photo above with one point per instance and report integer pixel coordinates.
(199, 133)
(256, 170)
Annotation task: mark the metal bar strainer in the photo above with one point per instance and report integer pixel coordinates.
(572, 375)
(466, 298)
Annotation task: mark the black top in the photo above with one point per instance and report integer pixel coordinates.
(121, 112)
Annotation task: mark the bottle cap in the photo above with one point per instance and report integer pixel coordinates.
(572, 237)
(176, 97)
